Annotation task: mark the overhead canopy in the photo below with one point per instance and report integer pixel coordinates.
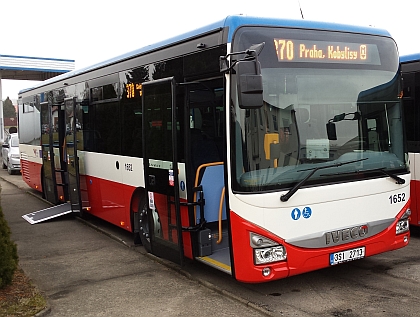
(29, 68)
(33, 68)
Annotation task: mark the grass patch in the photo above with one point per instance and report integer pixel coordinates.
(21, 298)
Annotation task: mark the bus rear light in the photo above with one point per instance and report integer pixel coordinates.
(266, 250)
(403, 223)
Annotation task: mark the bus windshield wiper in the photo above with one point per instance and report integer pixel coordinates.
(399, 180)
(289, 194)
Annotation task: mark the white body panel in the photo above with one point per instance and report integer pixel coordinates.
(415, 166)
(333, 207)
(31, 153)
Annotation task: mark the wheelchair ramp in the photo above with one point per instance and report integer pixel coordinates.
(48, 213)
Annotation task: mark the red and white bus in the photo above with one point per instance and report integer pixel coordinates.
(410, 67)
(262, 147)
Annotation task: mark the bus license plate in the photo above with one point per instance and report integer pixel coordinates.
(348, 255)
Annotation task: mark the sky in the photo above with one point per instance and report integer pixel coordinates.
(92, 31)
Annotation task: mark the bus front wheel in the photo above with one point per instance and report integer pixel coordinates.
(144, 225)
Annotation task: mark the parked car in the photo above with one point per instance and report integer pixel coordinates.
(10, 154)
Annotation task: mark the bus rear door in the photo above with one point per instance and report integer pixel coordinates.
(60, 162)
(49, 189)
(161, 167)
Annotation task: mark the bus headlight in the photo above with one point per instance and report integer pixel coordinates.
(403, 224)
(268, 255)
(266, 250)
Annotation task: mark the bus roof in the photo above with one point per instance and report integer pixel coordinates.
(410, 58)
(232, 22)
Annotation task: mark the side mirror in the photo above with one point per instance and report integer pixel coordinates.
(250, 87)
(331, 131)
(249, 78)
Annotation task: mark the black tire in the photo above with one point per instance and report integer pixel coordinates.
(144, 228)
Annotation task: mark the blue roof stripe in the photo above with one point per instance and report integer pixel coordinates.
(39, 58)
(410, 58)
(233, 23)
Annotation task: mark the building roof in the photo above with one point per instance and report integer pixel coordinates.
(33, 68)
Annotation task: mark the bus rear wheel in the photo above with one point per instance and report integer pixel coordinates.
(144, 231)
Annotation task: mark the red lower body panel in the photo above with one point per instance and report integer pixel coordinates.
(31, 174)
(108, 200)
(111, 201)
(299, 260)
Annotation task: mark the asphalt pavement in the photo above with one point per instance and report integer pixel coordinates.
(84, 271)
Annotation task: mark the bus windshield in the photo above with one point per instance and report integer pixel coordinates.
(328, 98)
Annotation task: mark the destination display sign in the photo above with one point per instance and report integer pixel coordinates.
(133, 90)
(292, 50)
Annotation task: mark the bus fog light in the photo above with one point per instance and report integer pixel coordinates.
(402, 226)
(269, 255)
(266, 271)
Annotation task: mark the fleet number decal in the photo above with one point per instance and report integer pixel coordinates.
(397, 198)
(128, 167)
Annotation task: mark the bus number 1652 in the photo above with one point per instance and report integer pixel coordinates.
(397, 198)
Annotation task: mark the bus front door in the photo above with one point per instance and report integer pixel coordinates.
(161, 168)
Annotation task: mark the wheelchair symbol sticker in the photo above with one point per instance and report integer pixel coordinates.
(305, 213)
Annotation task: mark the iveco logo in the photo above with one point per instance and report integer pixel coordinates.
(346, 234)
